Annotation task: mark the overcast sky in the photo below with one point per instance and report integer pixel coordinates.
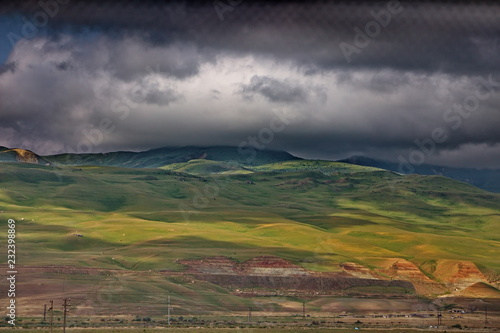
(410, 80)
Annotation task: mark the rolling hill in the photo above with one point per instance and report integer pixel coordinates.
(486, 179)
(228, 159)
(159, 157)
(233, 233)
(21, 156)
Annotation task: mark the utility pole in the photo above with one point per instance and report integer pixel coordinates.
(439, 316)
(249, 315)
(65, 311)
(44, 312)
(168, 310)
(303, 310)
(485, 315)
(51, 309)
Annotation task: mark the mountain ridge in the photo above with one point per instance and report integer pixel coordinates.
(162, 156)
(227, 158)
(486, 179)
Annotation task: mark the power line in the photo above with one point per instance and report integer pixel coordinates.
(66, 310)
(168, 309)
(51, 309)
(84, 295)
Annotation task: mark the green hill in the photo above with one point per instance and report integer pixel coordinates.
(349, 215)
(207, 167)
(159, 157)
(21, 155)
(106, 236)
(486, 179)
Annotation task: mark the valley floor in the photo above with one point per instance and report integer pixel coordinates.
(272, 324)
(102, 300)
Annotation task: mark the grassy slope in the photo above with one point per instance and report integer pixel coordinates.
(207, 167)
(314, 214)
(486, 179)
(169, 155)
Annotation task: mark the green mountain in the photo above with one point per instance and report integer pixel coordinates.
(228, 159)
(168, 155)
(486, 179)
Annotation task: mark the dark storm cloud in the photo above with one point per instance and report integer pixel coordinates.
(185, 76)
(453, 37)
(150, 92)
(382, 82)
(274, 90)
(180, 61)
(9, 67)
(63, 65)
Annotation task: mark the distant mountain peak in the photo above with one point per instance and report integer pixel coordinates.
(360, 158)
(159, 157)
(486, 179)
